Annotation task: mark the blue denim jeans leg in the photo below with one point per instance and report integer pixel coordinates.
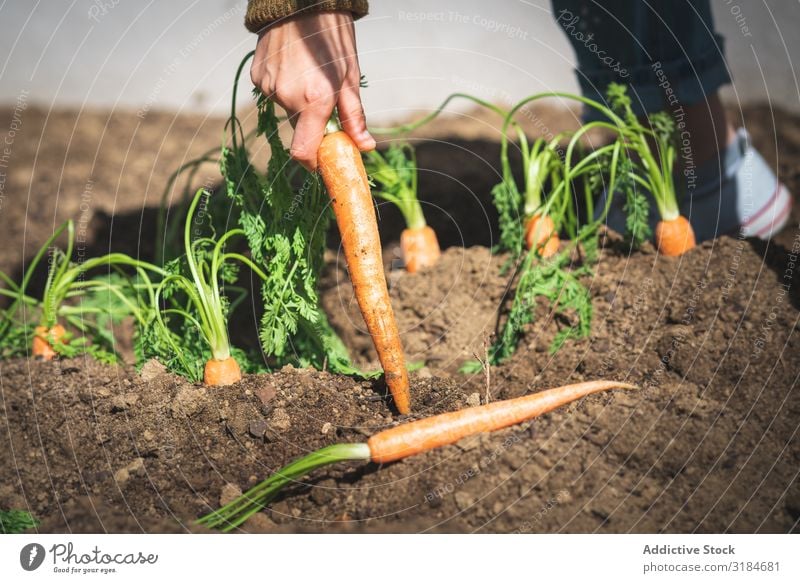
(645, 44)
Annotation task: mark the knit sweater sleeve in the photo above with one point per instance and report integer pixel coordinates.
(261, 12)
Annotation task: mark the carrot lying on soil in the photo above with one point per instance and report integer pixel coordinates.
(674, 237)
(404, 441)
(426, 434)
(345, 178)
(220, 373)
(420, 248)
(540, 234)
(43, 338)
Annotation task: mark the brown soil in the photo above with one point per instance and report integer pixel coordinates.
(709, 444)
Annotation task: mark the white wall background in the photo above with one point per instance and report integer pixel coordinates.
(181, 54)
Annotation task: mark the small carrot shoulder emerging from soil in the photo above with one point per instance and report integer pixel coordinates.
(43, 339)
(221, 372)
(395, 176)
(675, 237)
(540, 234)
(420, 248)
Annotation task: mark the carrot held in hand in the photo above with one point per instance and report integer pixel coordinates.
(407, 440)
(342, 169)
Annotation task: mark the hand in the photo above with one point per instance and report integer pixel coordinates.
(308, 64)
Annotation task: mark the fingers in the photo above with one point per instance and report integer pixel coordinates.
(310, 113)
(309, 130)
(308, 65)
(258, 65)
(351, 115)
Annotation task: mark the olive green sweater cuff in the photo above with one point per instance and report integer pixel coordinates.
(262, 12)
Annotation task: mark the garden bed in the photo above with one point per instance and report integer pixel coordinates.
(709, 444)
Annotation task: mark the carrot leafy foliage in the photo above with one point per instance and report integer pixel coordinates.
(16, 521)
(89, 306)
(284, 214)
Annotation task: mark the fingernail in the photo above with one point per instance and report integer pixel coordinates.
(367, 141)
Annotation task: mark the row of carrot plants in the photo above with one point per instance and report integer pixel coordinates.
(556, 197)
(181, 306)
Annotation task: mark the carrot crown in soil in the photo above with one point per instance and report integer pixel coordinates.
(551, 169)
(205, 307)
(653, 170)
(627, 164)
(285, 215)
(657, 167)
(93, 302)
(546, 203)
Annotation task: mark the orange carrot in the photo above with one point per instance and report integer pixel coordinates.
(219, 373)
(674, 237)
(420, 248)
(394, 175)
(343, 172)
(426, 434)
(42, 339)
(540, 234)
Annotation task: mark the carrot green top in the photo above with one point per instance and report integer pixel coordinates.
(262, 12)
